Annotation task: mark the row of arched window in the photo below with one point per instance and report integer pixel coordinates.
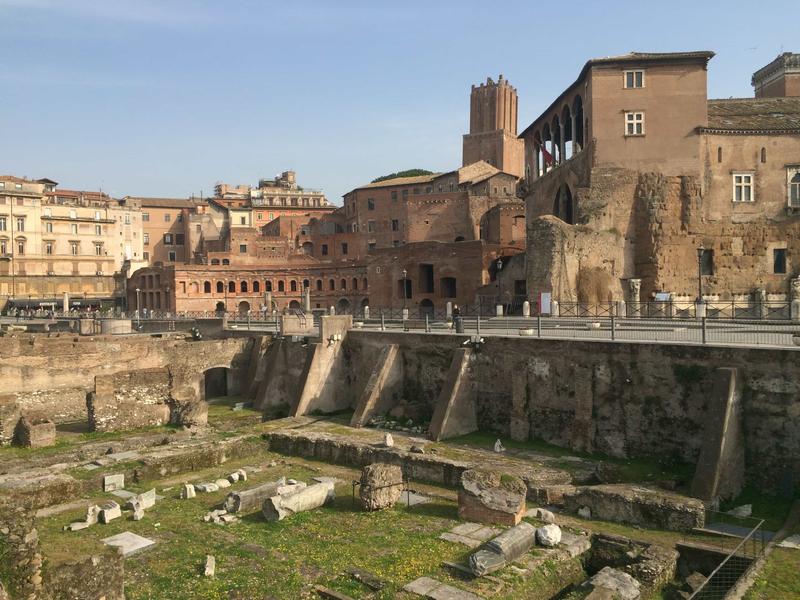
(245, 287)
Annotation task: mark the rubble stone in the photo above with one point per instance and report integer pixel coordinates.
(381, 486)
(109, 511)
(113, 482)
(487, 497)
(187, 491)
(548, 536)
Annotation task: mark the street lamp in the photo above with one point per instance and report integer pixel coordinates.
(405, 290)
(138, 321)
(700, 252)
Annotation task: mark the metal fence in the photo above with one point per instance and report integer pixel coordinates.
(706, 330)
(747, 542)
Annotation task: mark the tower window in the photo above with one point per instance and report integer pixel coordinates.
(634, 123)
(779, 261)
(634, 79)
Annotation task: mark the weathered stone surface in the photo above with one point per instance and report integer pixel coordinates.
(541, 514)
(505, 548)
(646, 507)
(277, 508)
(491, 498)
(381, 486)
(210, 568)
(113, 482)
(35, 430)
(142, 501)
(222, 483)
(233, 477)
(92, 514)
(548, 536)
(622, 585)
(138, 514)
(109, 511)
(187, 491)
(206, 487)
(128, 542)
(253, 498)
(388, 440)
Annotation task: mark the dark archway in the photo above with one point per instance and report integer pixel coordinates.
(215, 382)
(426, 307)
(562, 205)
(295, 305)
(220, 307)
(244, 307)
(343, 306)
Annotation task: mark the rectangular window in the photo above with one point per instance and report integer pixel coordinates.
(260, 216)
(18, 186)
(167, 218)
(707, 262)
(48, 227)
(3, 247)
(3, 224)
(98, 230)
(405, 194)
(634, 123)
(344, 248)
(73, 229)
(394, 195)
(98, 249)
(794, 188)
(243, 248)
(73, 214)
(779, 261)
(324, 249)
(634, 79)
(371, 246)
(180, 217)
(370, 203)
(371, 226)
(146, 255)
(172, 256)
(179, 239)
(743, 187)
(127, 218)
(20, 247)
(20, 224)
(145, 217)
(48, 248)
(146, 239)
(395, 243)
(168, 239)
(395, 225)
(242, 220)
(73, 248)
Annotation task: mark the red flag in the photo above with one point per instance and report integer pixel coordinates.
(548, 158)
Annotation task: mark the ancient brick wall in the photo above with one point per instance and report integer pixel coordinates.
(621, 399)
(54, 374)
(129, 400)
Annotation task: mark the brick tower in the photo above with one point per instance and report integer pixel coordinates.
(493, 127)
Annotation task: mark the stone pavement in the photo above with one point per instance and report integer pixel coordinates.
(471, 535)
(128, 542)
(436, 590)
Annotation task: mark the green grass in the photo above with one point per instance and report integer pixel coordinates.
(773, 509)
(639, 470)
(779, 579)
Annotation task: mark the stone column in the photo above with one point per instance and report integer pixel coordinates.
(794, 297)
(499, 310)
(449, 309)
(572, 129)
(307, 300)
(366, 313)
(561, 142)
(526, 309)
(760, 299)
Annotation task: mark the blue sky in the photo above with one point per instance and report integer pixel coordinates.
(165, 98)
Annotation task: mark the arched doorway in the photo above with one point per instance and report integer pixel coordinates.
(220, 307)
(215, 384)
(562, 205)
(426, 308)
(295, 305)
(244, 307)
(343, 306)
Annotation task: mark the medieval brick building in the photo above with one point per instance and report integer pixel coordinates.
(635, 180)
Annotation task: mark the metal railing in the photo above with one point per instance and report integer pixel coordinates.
(747, 543)
(711, 331)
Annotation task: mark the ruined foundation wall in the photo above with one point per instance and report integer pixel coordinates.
(621, 399)
(53, 375)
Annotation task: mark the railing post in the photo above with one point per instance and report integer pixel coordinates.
(427, 324)
(703, 327)
(478, 324)
(613, 327)
(383, 323)
(539, 326)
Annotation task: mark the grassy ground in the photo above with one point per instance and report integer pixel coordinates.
(780, 577)
(640, 470)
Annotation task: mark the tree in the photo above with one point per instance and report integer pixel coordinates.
(407, 173)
